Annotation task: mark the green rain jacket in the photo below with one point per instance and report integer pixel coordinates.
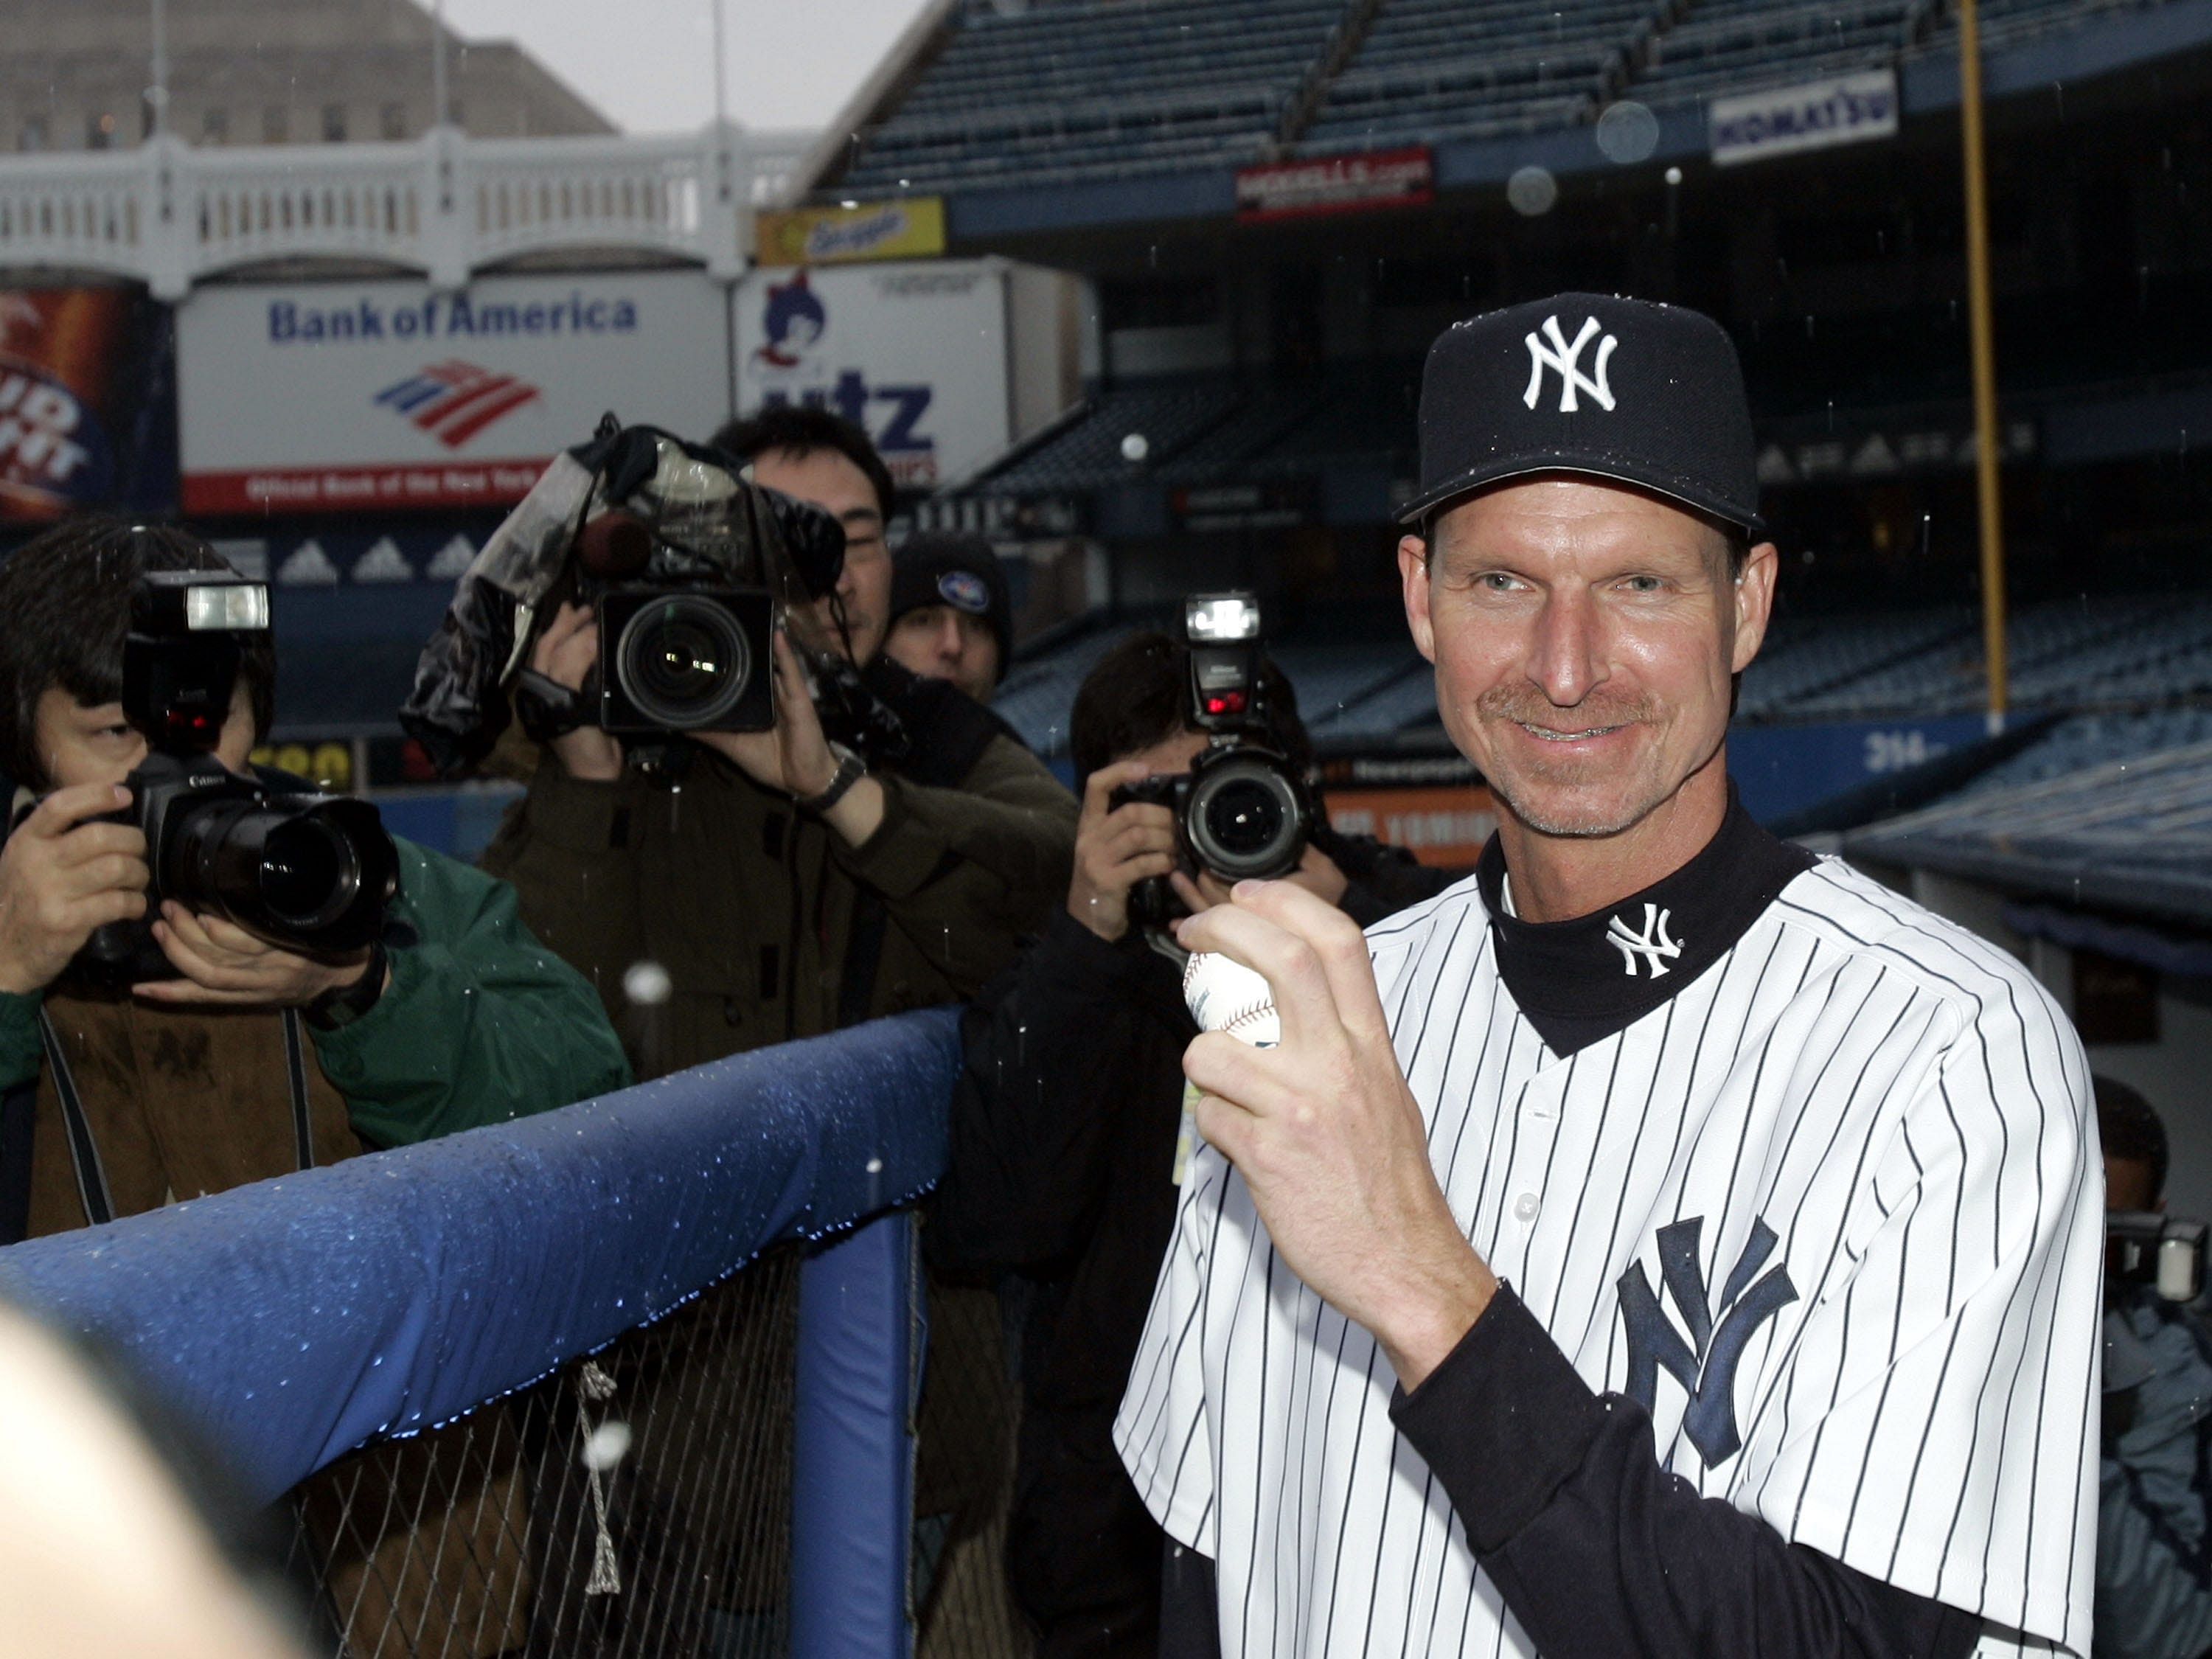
(479, 1024)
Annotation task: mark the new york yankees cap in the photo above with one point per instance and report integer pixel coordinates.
(1651, 395)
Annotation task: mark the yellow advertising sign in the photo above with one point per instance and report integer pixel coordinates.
(911, 228)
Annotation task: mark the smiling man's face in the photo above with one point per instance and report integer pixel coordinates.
(1584, 635)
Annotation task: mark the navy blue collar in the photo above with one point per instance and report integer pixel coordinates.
(1579, 981)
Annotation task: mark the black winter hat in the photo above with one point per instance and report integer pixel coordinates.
(1647, 394)
(946, 568)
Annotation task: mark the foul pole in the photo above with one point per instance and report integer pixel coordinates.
(1986, 448)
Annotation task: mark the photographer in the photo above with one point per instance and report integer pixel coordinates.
(2154, 1535)
(1065, 1133)
(120, 1101)
(787, 888)
(952, 614)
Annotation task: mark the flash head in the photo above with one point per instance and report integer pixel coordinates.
(168, 603)
(1211, 618)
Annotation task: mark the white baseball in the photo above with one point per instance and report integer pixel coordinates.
(1227, 996)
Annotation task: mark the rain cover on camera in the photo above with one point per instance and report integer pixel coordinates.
(710, 523)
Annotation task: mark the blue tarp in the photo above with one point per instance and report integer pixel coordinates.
(294, 1320)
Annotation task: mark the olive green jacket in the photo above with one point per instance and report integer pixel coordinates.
(714, 916)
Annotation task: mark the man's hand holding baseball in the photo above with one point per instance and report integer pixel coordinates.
(1327, 1134)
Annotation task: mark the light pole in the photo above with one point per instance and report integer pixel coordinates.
(441, 110)
(1991, 504)
(157, 95)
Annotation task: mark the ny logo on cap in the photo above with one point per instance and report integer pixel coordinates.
(1653, 944)
(1566, 360)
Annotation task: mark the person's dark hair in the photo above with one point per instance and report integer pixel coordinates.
(803, 429)
(1139, 693)
(64, 607)
(2129, 1127)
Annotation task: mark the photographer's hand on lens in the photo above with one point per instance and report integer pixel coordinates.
(1116, 847)
(60, 878)
(795, 756)
(565, 654)
(222, 965)
(1325, 1133)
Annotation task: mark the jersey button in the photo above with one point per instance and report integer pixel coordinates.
(1526, 1207)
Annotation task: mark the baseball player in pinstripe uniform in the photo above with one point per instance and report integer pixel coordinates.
(1663, 1242)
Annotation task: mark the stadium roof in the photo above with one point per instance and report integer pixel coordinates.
(1034, 115)
(2135, 836)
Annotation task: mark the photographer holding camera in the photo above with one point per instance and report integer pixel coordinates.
(2154, 1531)
(1065, 1155)
(152, 1055)
(786, 886)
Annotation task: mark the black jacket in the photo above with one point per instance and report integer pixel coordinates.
(1064, 1134)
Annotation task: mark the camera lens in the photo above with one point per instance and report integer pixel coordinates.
(1246, 818)
(305, 871)
(683, 662)
(1243, 816)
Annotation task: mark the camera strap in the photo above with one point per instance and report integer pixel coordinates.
(85, 1150)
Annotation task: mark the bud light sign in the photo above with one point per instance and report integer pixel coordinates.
(85, 418)
(914, 354)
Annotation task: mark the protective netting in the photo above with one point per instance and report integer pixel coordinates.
(638, 1501)
(634, 1502)
(964, 1481)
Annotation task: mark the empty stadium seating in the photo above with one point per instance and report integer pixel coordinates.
(1724, 46)
(2102, 653)
(1053, 91)
(1433, 70)
(2008, 22)
(1064, 93)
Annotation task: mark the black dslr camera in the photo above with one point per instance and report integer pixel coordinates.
(310, 872)
(1243, 812)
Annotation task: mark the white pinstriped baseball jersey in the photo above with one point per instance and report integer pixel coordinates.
(1844, 1184)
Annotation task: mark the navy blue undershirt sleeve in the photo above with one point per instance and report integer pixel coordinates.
(1600, 1553)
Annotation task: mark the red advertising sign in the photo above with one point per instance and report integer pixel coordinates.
(1336, 183)
(81, 423)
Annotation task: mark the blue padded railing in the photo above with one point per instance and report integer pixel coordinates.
(292, 1321)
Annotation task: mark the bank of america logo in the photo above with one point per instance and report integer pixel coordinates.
(453, 401)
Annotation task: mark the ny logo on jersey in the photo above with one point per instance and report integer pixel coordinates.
(1704, 1360)
(1654, 944)
(1565, 361)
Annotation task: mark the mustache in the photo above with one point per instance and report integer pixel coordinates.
(1527, 706)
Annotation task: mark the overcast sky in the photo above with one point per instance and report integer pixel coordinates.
(648, 65)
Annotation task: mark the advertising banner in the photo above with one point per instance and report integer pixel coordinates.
(88, 414)
(343, 396)
(912, 227)
(917, 354)
(1336, 183)
(1434, 805)
(1843, 111)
